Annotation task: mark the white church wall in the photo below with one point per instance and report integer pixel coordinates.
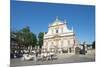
(64, 38)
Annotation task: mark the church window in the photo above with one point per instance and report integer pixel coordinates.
(52, 43)
(57, 31)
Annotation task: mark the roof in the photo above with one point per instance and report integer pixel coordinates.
(57, 22)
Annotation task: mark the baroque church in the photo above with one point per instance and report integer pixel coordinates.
(60, 37)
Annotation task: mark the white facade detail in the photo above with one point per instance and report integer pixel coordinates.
(59, 36)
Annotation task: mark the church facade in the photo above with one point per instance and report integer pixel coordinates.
(60, 37)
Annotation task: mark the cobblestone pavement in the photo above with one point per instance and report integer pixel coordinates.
(64, 58)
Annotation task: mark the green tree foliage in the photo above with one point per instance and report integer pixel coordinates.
(40, 37)
(25, 37)
(33, 39)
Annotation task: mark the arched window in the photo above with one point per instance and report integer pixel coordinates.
(57, 31)
(52, 43)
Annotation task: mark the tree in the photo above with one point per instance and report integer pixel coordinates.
(33, 39)
(40, 37)
(29, 38)
(93, 45)
(26, 37)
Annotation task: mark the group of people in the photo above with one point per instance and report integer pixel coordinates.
(37, 54)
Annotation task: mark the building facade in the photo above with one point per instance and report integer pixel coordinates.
(59, 37)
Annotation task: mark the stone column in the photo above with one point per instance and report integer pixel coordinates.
(68, 50)
(61, 50)
(74, 50)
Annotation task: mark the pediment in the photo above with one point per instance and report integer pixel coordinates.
(56, 36)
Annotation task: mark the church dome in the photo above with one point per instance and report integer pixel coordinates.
(57, 22)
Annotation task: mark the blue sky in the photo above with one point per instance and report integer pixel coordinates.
(39, 15)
